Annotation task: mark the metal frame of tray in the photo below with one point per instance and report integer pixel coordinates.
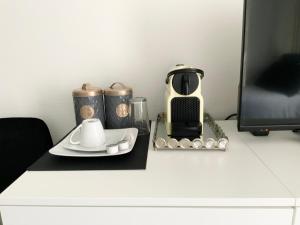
(213, 138)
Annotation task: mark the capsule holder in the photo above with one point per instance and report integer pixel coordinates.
(213, 137)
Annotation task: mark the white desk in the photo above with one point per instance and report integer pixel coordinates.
(233, 187)
(280, 152)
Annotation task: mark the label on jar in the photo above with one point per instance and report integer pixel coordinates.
(122, 110)
(87, 112)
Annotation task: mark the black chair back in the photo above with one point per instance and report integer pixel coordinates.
(22, 141)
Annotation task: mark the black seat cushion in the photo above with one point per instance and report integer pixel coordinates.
(22, 141)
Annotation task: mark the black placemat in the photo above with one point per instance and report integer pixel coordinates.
(134, 160)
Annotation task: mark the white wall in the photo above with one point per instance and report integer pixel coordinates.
(50, 47)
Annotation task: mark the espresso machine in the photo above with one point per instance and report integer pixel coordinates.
(184, 103)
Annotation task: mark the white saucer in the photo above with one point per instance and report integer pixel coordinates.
(65, 148)
(84, 149)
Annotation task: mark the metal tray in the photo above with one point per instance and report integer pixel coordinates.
(213, 137)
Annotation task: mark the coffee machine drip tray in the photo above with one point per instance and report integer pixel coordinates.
(189, 136)
(189, 130)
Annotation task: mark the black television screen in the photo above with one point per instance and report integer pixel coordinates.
(269, 89)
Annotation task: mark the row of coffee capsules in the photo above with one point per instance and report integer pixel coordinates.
(185, 143)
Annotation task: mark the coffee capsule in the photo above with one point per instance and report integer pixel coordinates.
(160, 143)
(197, 143)
(210, 143)
(185, 143)
(173, 143)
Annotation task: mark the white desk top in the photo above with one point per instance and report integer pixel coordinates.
(180, 178)
(280, 151)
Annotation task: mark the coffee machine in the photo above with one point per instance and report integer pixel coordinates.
(184, 103)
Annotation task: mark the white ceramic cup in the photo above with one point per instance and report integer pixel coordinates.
(91, 134)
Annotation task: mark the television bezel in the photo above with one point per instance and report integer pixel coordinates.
(254, 127)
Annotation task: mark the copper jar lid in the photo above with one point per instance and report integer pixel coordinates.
(118, 89)
(87, 90)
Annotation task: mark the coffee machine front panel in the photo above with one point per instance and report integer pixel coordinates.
(184, 105)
